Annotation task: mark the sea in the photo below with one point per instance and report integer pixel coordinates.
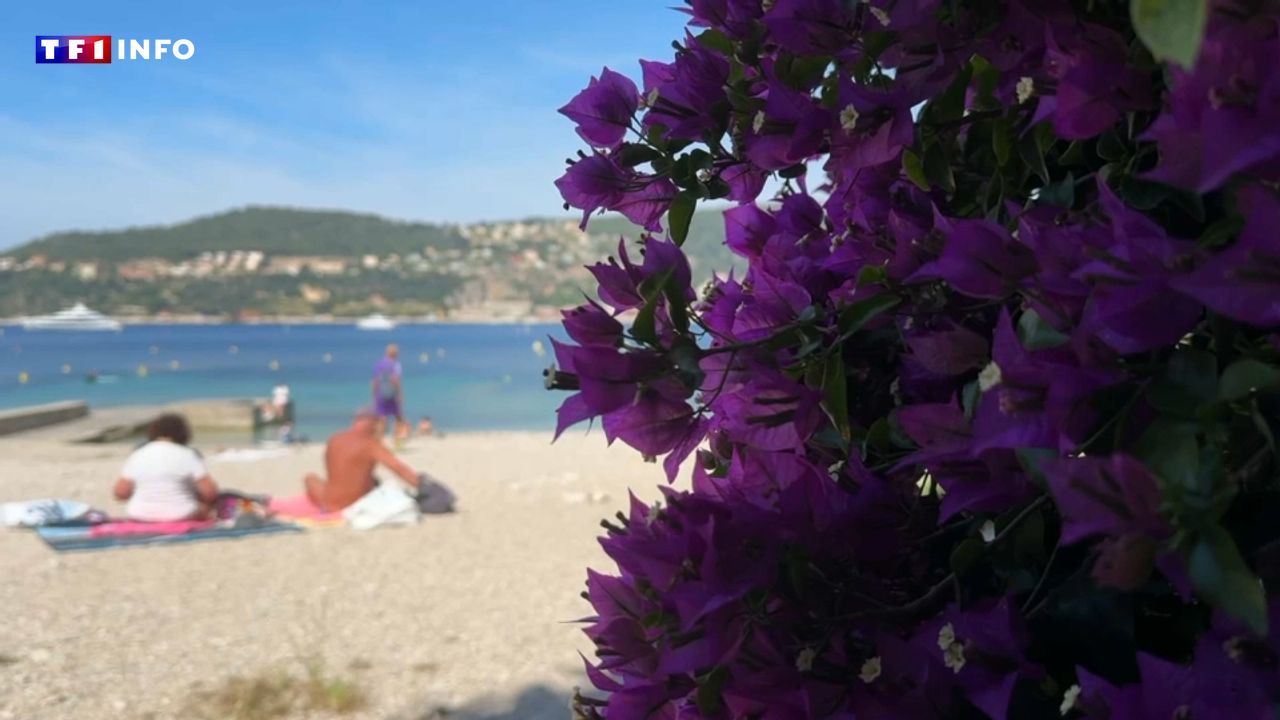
(464, 377)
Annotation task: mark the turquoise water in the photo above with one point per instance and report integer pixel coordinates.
(466, 377)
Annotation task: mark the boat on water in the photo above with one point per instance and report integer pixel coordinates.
(76, 317)
(376, 321)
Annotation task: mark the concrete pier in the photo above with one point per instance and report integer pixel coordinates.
(38, 416)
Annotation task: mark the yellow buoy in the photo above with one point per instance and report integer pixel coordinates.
(174, 364)
(328, 357)
(66, 369)
(143, 371)
(274, 365)
(233, 349)
(23, 378)
(538, 348)
(423, 357)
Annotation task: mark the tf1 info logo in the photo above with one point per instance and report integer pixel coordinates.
(96, 49)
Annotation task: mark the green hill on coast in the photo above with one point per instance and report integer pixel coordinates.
(272, 261)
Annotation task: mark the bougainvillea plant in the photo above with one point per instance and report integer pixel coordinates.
(987, 427)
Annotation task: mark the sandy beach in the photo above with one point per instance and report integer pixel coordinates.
(462, 616)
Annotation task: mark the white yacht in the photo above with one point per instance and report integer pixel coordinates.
(77, 317)
(376, 321)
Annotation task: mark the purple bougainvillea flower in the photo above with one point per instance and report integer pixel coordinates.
(652, 424)
(594, 182)
(870, 127)
(1222, 115)
(603, 110)
(1243, 281)
(949, 351)
(687, 96)
(1111, 496)
(979, 259)
(618, 280)
(591, 324)
(747, 228)
(791, 128)
(811, 27)
(732, 17)
(1095, 83)
(1132, 306)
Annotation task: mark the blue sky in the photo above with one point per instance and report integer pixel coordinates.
(419, 110)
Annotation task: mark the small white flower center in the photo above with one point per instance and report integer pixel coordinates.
(988, 532)
(804, 661)
(989, 377)
(1025, 89)
(870, 670)
(946, 636)
(1069, 700)
(758, 121)
(849, 118)
(953, 657)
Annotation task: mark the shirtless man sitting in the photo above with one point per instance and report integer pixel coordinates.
(349, 459)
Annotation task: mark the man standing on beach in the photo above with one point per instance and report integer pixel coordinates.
(388, 391)
(350, 458)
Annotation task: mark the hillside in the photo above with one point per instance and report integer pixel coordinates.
(271, 230)
(264, 261)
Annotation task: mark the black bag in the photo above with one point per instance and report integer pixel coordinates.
(433, 497)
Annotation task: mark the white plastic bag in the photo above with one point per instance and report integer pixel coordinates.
(386, 504)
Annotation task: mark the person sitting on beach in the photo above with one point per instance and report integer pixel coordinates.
(164, 479)
(350, 458)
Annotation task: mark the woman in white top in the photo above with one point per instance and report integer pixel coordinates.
(166, 480)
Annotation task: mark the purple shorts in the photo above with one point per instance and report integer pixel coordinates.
(387, 407)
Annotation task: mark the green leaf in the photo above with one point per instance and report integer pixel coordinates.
(713, 39)
(872, 275)
(854, 317)
(949, 105)
(966, 555)
(710, 689)
(1059, 194)
(680, 215)
(1190, 381)
(1222, 578)
(1036, 334)
(633, 154)
(835, 395)
(1170, 449)
(643, 328)
(1032, 460)
(912, 165)
(1002, 140)
(1171, 29)
(1031, 154)
(1244, 376)
(1109, 146)
(937, 167)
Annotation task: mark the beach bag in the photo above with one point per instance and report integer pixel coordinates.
(433, 497)
(40, 513)
(384, 505)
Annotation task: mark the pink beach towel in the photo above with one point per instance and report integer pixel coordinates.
(120, 528)
(299, 508)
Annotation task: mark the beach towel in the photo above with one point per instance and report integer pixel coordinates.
(128, 533)
(299, 509)
(37, 513)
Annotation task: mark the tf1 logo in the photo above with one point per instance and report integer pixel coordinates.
(96, 49)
